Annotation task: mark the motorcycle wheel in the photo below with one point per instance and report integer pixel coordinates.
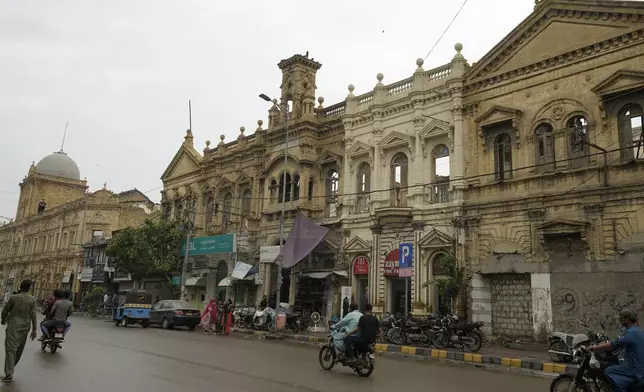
(53, 347)
(326, 357)
(396, 336)
(441, 339)
(43, 346)
(478, 341)
(271, 327)
(365, 371)
(241, 324)
(295, 327)
(429, 339)
(558, 345)
(562, 384)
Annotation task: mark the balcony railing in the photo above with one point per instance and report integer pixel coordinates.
(362, 204)
(440, 193)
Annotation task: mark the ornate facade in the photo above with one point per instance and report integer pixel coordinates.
(55, 216)
(554, 166)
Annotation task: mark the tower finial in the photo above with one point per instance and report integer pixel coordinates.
(62, 145)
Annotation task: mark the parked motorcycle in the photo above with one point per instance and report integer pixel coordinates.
(412, 331)
(458, 333)
(386, 325)
(55, 340)
(293, 322)
(244, 317)
(562, 345)
(590, 375)
(264, 320)
(333, 352)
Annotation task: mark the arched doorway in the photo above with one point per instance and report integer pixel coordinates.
(222, 273)
(440, 305)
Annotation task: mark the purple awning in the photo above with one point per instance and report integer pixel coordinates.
(303, 237)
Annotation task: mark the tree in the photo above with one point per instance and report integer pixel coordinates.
(149, 250)
(450, 287)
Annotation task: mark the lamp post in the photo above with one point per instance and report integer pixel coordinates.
(282, 218)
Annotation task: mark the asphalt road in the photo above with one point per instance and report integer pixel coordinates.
(99, 357)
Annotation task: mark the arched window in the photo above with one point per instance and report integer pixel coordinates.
(577, 128)
(272, 191)
(630, 130)
(503, 157)
(364, 187)
(210, 211)
(545, 142)
(227, 210)
(311, 182)
(246, 199)
(296, 187)
(332, 191)
(42, 205)
(284, 177)
(399, 180)
(440, 187)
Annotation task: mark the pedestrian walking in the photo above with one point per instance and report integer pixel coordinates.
(19, 315)
(227, 319)
(209, 317)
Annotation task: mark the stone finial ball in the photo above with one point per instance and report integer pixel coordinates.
(260, 122)
(242, 130)
(380, 77)
(275, 101)
(222, 137)
(351, 88)
(420, 62)
(207, 143)
(458, 47)
(320, 100)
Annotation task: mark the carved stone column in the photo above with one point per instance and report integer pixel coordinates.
(377, 181)
(417, 276)
(596, 243)
(375, 270)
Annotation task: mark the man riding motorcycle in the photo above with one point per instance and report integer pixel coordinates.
(366, 332)
(61, 310)
(631, 372)
(350, 323)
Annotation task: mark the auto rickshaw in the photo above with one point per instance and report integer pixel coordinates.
(133, 307)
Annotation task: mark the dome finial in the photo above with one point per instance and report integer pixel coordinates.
(62, 145)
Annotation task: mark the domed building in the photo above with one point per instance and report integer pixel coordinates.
(55, 217)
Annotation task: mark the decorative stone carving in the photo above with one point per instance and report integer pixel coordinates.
(497, 115)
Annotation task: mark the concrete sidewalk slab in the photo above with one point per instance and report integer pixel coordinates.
(521, 361)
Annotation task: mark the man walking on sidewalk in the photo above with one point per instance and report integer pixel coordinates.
(19, 315)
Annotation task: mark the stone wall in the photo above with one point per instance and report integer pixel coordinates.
(595, 297)
(512, 305)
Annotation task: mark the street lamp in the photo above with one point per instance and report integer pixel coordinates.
(282, 218)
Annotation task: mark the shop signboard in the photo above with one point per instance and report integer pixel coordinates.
(392, 265)
(268, 254)
(224, 243)
(361, 266)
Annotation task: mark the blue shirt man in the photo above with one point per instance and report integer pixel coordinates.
(350, 324)
(631, 372)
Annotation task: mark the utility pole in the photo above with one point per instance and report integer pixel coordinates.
(189, 228)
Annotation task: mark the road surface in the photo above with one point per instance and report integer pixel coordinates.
(99, 357)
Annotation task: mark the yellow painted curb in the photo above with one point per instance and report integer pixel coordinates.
(515, 363)
(434, 353)
(506, 361)
(381, 347)
(409, 350)
(442, 354)
(467, 357)
(549, 367)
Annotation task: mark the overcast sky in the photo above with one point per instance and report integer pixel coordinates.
(122, 72)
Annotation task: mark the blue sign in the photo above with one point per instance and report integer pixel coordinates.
(406, 255)
(225, 243)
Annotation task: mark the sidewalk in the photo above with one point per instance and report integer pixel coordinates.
(531, 361)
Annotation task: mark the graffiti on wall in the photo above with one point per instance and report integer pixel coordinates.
(570, 308)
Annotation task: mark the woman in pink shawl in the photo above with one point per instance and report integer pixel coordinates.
(209, 317)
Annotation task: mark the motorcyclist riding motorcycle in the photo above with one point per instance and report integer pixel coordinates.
(630, 372)
(350, 324)
(61, 310)
(367, 332)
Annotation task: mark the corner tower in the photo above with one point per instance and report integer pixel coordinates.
(299, 85)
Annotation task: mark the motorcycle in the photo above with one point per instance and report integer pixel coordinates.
(386, 325)
(293, 322)
(562, 345)
(264, 320)
(459, 334)
(55, 340)
(412, 331)
(243, 317)
(590, 375)
(333, 352)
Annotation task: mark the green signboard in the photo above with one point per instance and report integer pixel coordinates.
(176, 280)
(225, 243)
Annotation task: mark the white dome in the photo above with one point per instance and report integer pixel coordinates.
(58, 164)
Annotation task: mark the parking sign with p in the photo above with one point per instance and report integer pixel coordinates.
(406, 255)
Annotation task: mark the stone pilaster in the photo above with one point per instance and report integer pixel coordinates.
(416, 279)
(375, 269)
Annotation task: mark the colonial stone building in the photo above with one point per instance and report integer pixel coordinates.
(554, 212)
(404, 167)
(238, 187)
(55, 216)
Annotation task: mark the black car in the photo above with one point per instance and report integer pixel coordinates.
(175, 313)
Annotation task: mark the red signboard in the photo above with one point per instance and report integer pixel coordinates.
(392, 263)
(360, 266)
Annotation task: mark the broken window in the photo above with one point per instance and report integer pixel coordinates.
(440, 191)
(296, 187)
(399, 180)
(577, 128)
(545, 141)
(503, 157)
(246, 201)
(630, 130)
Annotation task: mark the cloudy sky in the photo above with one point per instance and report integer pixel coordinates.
(122, 71)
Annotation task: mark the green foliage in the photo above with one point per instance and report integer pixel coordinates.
(149, 250)
(93, 300)
(448, 286)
